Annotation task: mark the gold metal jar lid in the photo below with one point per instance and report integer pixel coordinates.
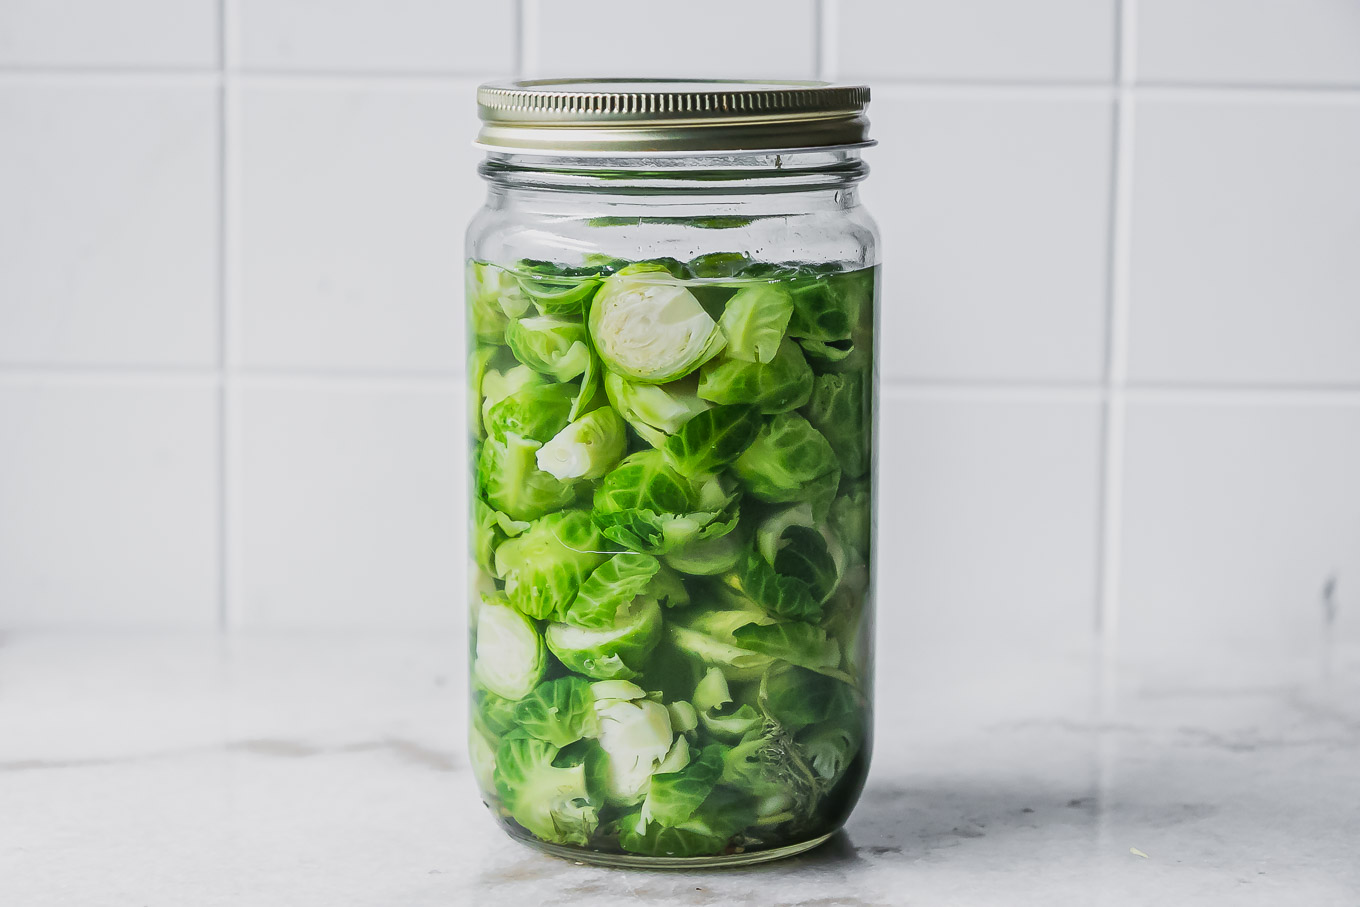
(660, 116)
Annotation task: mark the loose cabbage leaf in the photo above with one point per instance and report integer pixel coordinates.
(550, 344)
(673, 797)
(544, 567)
(792, 641)
(613, 584)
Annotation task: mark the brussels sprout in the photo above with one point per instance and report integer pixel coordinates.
(550, 801)
(544, 567)
(710, 638)
(648, 328)
(482, 757)
(558, 295)
(793, 641)
(790, 461)
(489, 528)
(510, 657)
(616, 652)
(718, 264)
(830, 748)
(827, 306)
(674, 796)
(712, 439)
(852, 518)
(586, 448)
(535, 411)
(493, 297)
(636, 737)
(754, 322)
(654, 411)
(782, 384)
(645, 505)
(613, 584)
(794, 566)
(497, 385)
(797, 697)
(707, 831)
(839, 409)
(720, 716)
(826, 355)
(495, 713)
(509, 479)
(549, 344)
(709, 556)
(560, 711)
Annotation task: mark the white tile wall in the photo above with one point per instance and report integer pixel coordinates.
(350, 202)
(754, 39)
(1121, 298)
(108, 509)
(376, 35)
(1245, 228)
(1260, 42)
(347, 506)
(1242, 537)
(975, 40)
(91, 33)
(996, 232)
(109, 220)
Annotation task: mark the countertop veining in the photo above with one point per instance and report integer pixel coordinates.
(329, 770)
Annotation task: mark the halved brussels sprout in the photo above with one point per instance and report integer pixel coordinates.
(497, 385)
(710, 638)
(549, 800)
(510, 657)
(494, 297)
(509, 477)
(649, 328)
(544, 567)
(535, 411)
(636, 737)
(839, 409)
(560, 711)
(790, 461)
(645, 505)
(549, 344)
(754, 322)
(784, 383)
(616, 652)
(586, 448)
(794, 567)
(654, 411)
(489, 528)
(712, 439)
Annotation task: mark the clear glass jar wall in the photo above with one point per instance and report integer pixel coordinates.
(672, 417)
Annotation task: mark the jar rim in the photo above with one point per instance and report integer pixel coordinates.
(669, 116)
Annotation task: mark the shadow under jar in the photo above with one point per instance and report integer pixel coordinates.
(671, 296)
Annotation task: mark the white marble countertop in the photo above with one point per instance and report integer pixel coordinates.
(299, 770)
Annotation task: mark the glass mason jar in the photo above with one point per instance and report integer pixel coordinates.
(671, 294)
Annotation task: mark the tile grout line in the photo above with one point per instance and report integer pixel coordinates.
(225, 435)
(1113, 423)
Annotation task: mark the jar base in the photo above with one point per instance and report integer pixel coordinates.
(638, 861)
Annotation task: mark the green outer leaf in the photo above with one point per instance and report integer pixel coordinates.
(550, 344)
(536, 412)
(617, 652)
(558, 295)
(840, 410)
(792, 641)
(509, 479)
(551, 802)
(786, 458)
(782, 596)
(560, 711)
(712, 439)
(754, 322)
(782, 384)
(614, 583)
(797, 697)
(673, 797)
(825, 307)
(545, 566)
